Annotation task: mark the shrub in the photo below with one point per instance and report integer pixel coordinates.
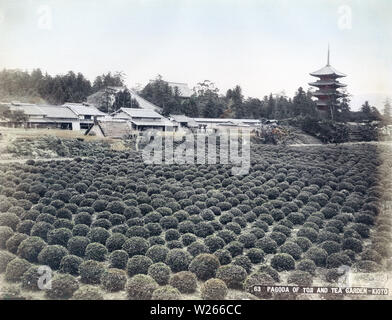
(113, 280)
(184, 281)
(307, 265)
(77, 245)
(235, 248)
(41, 229)
(336, 260)
(247, 239)
(270, 271)
(227, 235)
(257, 279)
(224, 256)
(83, 218)
(279, 237)
(70, 264)
(172, 234)
(188, 238)
(166, 293)
(14, 241)
(330, 246)
(282, 262)
(115, 242)
(300, 278)
(5, 234)
(30, 279)
(88, 292)
(168, 222)
(30, 248)
(317, 255)
(203, 229)
(118, 259)
(91, 271)
(96, 251)
(371, 255)
(178, 260)
(9, 219)
(51, 256)
(292, 249)
(141, 287)
(204, 266)
(255, 255)
(138, 265)
(24, 227)
(15, 269)
(160, 272)
(98, 234)
(244, 262)
(352, 244)
(63, 287)
(5, 258)
(309, 233)
(233, 275)
(267, 244)
(136, 246)
(214, 289)
(214, 243)
(59, 236)
(80, 230)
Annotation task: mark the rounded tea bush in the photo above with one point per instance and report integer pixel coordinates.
(352, 244)
(88, 292)
(224, 256)
(98, 234)
(160, 272)
(244, 262)
(136, 246)
(15, 269)
(157, 253)
(184, 281)
(91, 271)
(214, 289)
(118, 259)
(338, 259)
(300, 278)
(166, 293)
(9, 219)
(113, 280)
(70, 264)
(317, 255)
(30, 248)
(5, 234)
(267, 244)
(63, 287)
(309, 233)
(80, 230)
(292, 249)
(235, 248)
(30, 279)
(14, 241)
(214, 243)
(141, 287)
(233, 275)
(307, 265)
(178, 260)
(138, 265)
(115, 242)
(5, 258)
(77, 245)
(255, 255)
(270, 271)
(304, 243)
(204, 266)
(59, 236)
(52, 255)
(96, 251)
(282, 262)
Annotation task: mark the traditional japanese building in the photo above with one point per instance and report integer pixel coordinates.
(328, 87)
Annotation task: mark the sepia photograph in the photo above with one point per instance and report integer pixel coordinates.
(204, 156)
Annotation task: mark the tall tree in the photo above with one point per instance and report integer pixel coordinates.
(123, 99)
(387, 111)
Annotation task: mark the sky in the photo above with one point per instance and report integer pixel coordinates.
(265, 46)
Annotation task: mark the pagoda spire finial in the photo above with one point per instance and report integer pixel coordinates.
(328, 56)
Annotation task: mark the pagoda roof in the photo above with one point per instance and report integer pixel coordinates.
(327, 83)
(323, 93)
(328, 71)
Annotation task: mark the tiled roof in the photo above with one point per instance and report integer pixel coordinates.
(82, 110)
(58, 112)
(328, 71)
(28, 109)
(141, 113)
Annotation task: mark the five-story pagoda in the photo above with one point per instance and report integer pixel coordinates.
(327, 94)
